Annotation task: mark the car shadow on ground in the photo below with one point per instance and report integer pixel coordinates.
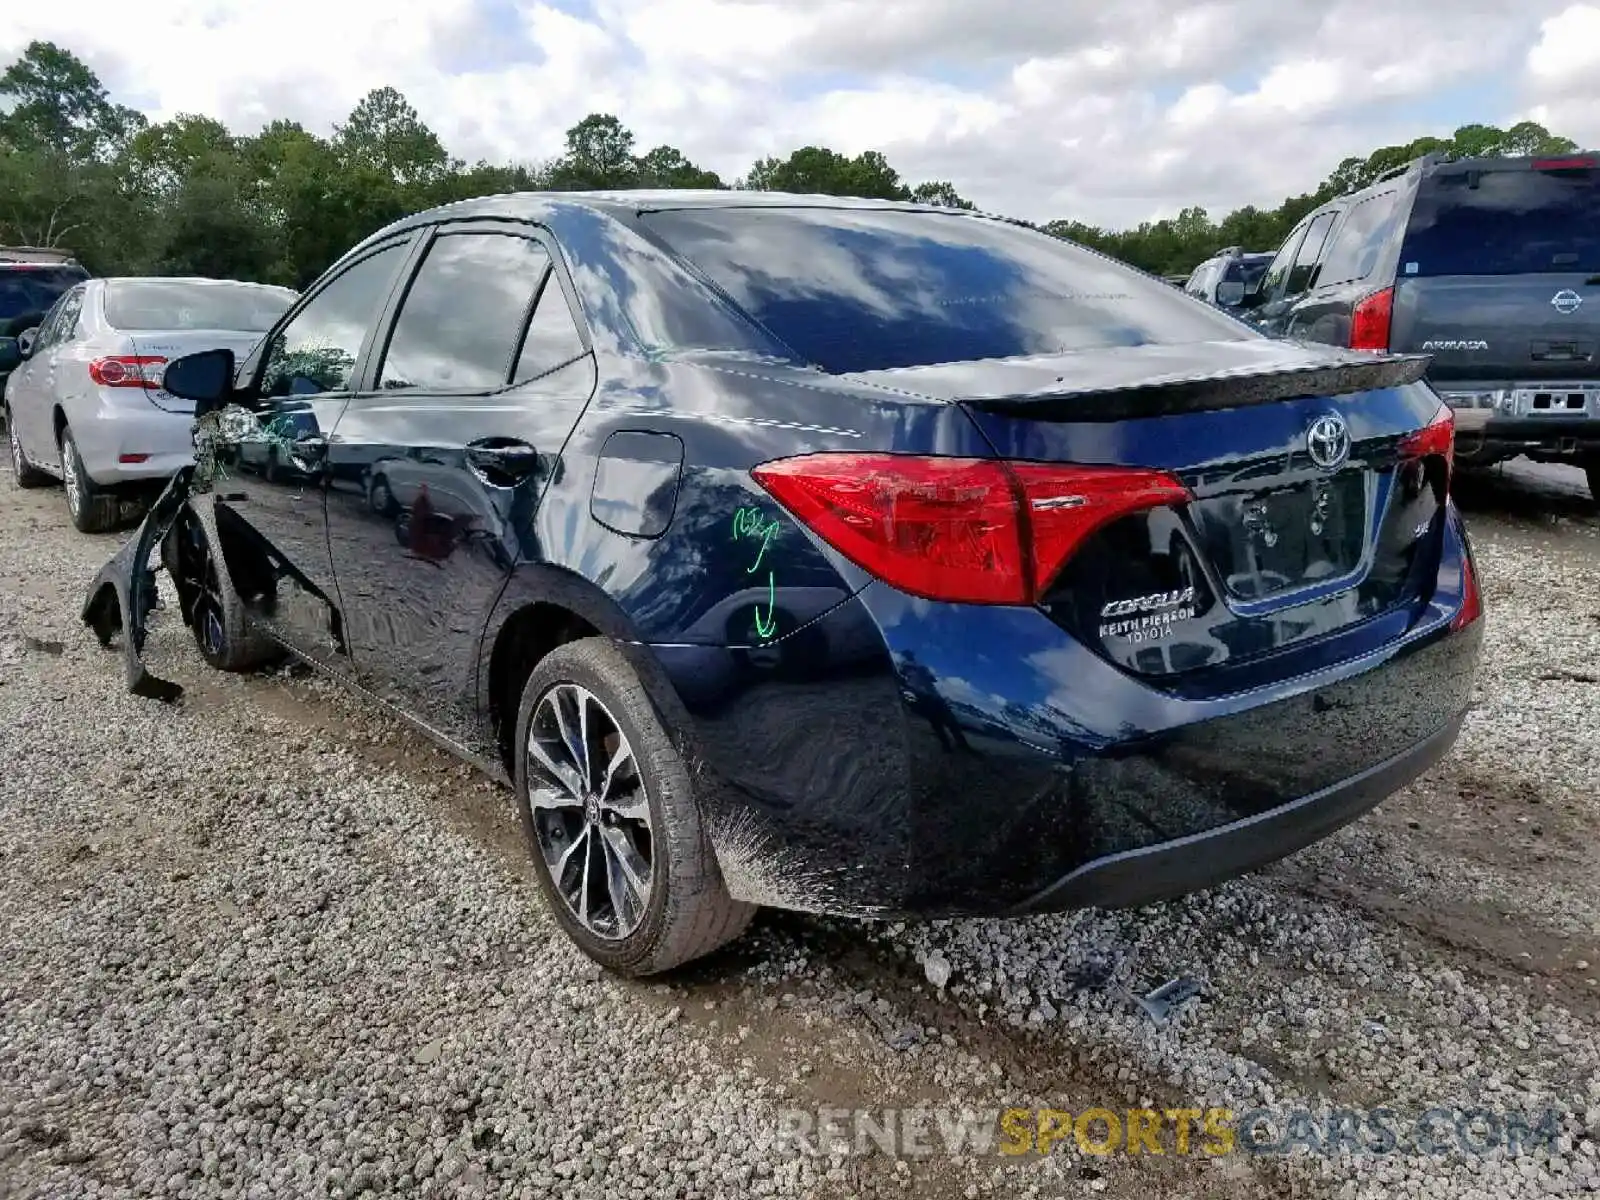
(1526, 490)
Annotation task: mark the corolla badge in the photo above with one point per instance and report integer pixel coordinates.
(1328, 441)
(1566, 301)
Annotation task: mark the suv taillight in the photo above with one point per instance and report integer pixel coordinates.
(968, 530)
(128, 370)
(1369, 322)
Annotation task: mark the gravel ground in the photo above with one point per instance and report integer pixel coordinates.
(268, 944)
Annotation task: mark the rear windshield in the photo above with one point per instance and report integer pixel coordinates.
(169, 304)
(863, 290)
(34, 289)
(1505, 223)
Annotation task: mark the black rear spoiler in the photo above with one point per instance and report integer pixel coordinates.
(1225, 389)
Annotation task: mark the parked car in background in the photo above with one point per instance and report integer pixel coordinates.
(1098, 595)
(1228, 276)
(85, 404)
(31, 280)
(1492, 267)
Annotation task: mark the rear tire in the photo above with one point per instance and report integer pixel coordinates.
(91, 509)
(27, 475)
(646, 818)
(213, 611)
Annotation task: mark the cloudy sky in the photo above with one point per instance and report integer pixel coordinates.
(1105, 112)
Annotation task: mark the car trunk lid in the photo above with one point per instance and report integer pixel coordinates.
(167, 345)
(1311, 509)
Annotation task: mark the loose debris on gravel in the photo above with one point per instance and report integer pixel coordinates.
(268, 944)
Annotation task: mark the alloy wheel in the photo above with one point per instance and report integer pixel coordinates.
(200, 573)
(18, 463)
(590, 812)
(69, 476)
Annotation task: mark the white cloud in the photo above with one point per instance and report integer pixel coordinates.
(1563, 74)
(1041, 108)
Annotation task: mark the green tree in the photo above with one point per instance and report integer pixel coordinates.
(941, 193)
(57, 104)
(599, 155)
(666, 167)
(165, 155)
(384, 134)
(815, 170)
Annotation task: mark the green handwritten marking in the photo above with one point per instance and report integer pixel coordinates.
(766, 626)
(751, 523)
(748, 522)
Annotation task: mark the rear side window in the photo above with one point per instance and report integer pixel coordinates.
(1355, 249)
(852, 289)
(183, 304)
(1278, 270)
(1310, 253)
(1505, 223)
(459, 323)
(552, 339)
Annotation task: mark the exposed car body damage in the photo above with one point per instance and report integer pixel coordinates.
(123, 593)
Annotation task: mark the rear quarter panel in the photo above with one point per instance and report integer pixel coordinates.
(743, 627)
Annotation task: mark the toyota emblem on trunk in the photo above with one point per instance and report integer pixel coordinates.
(1328, 441)
(1566, 301)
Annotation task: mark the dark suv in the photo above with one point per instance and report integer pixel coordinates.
(1492, 267)
(31, 280)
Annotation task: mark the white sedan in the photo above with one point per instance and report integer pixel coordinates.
(86, 406)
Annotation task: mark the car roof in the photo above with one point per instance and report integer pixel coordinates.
(636, 200)
(626, 204)
(199, 279)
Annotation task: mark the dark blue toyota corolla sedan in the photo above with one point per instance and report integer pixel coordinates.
(843, 556)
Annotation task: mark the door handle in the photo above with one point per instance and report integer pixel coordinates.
(502, 462)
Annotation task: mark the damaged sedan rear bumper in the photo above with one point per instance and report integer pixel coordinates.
(1046, 780)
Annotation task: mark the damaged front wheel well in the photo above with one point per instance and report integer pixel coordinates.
(526, 637)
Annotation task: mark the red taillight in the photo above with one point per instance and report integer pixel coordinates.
(128, 370)
(1438, 437)
(970, 530)
(1471, 598)
(1563, 164)
(1369, 322)
(133, 458)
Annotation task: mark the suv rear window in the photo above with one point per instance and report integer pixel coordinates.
(1505, 223)
(34, 289)
(865, 290)
(176, 304)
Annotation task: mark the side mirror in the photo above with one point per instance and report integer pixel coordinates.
(1230, 293)
(1253, 298)
(206, 378)
(10, 354)
(25, 341)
